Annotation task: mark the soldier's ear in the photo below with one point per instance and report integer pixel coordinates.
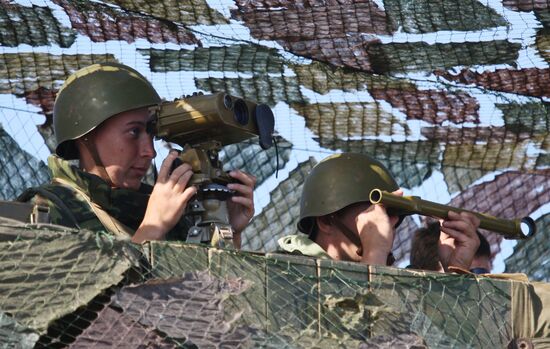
(324, 224)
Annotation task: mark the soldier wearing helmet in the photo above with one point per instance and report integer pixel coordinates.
(100, 118)
(339, 222)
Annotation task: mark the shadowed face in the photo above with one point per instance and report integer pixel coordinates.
(124, 148)
(370, 223)
(357, 231)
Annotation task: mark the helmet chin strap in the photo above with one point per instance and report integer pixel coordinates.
(92, 150)
(354, 238)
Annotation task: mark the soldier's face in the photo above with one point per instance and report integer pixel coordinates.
(125, 148)
(371, 221)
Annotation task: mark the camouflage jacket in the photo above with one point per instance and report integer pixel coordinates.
(75, 197)
(301, 245)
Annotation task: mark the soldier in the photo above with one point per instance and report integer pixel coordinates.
(425, 249)
(340, 223)
(100, 118)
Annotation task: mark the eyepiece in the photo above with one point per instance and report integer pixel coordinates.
(375, 196)
(240, 112)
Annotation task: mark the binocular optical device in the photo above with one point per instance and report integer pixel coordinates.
(202, 125)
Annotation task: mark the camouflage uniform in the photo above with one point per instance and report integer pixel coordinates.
(85, 201)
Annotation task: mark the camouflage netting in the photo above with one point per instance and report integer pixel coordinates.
(452, 96)
(81, 289)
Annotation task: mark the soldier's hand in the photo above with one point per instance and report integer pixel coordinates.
(241, 206)
(458, 241)
(376, 231)
(167, 202)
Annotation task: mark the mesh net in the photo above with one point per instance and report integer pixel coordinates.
(452, 96)
(83, 289)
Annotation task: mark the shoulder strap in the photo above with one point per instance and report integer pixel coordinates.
(27, 212)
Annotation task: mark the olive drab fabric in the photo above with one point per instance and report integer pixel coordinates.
(339, 181)
(301, 245)
(530, 303)
(92, 95)
(85, 201)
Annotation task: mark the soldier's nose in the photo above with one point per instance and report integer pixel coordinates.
(148, 149)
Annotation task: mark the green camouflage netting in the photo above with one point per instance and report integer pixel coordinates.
(76, 288)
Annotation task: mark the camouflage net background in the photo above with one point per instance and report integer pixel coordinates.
(80, 289)
(451, 95)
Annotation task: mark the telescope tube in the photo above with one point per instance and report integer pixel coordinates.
(406, 205)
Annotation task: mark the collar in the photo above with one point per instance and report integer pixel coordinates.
(125, 204)
(301, 244)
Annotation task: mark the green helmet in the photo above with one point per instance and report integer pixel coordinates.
(339, 181)
(92, 95)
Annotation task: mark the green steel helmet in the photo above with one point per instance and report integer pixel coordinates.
(339, 181)
(92, 95)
